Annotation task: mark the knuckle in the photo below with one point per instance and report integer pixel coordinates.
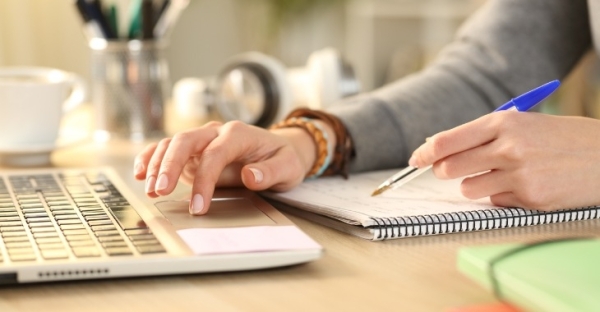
(213, 124)
(439, 143)
(181, 136)
(513, 153)
(153, 167)
(164, 143)
(168, 164)
(529, 193)
(212, 153)
(446, 169)
(234, 126)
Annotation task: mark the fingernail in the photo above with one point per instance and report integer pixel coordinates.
(197, 204)
(258, 175)
(150, 182)
(413, 161)
(137, 168)
(162, 182)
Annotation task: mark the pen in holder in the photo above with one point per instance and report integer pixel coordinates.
(130, 76)
(130, 80)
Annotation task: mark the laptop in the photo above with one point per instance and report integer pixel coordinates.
(73, 224)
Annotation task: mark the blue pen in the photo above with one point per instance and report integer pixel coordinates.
(521, 103)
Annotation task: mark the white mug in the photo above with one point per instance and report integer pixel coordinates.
(32, 103)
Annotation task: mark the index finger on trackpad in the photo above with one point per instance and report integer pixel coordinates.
(223, 212)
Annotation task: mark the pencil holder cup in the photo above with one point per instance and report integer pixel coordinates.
(130, 82)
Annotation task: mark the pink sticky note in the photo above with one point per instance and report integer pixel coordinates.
(246, 239)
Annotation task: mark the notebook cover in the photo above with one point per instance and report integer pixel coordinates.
(557, 276)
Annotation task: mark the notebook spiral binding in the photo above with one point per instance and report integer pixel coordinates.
(467, 221)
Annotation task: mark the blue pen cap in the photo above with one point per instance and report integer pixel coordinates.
(527, 100)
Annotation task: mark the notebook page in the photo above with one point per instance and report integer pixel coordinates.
(350, 200)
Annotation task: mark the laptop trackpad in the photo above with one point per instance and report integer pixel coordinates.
(224, 212)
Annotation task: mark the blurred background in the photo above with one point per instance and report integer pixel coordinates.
(382, 39)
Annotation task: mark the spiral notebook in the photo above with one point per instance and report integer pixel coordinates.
(424, 206)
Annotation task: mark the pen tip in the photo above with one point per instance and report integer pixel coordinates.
(380, 190)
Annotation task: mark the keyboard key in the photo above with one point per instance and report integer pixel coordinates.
(151, 249)
(48, 240)
(23, 244)
(52, 254)
(55, 198)
(138, 231)
(129, 219)
(59, 203)
(35, 214)
(115, 238)
(33, 206)
(97, 217)
(67, 217)
(43, 229)
(10, 223)
(78, 237)
(14, 234)
(91, 209)
(22, 257)
(62, 208)
(15, 239)
(75, 232)
(84, 252)
(103, 228)
(40, 219)
(18, 228)
(94, 213)
(82, 243)
(121, 243)
(45, 234)
(69, 221)
(146, 243)
(72, 226)
(20, 250)
(85, 200)
(41, 224)
(107, 233)
(14, 218)
(100, 222)
(142, 237)
(64, 212)
(118, 251)
(46, 246)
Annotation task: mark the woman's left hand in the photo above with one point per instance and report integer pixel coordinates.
(527, 160)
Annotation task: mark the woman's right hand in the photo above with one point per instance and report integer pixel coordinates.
(229, 154)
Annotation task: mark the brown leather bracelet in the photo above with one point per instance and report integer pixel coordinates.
(343, 151)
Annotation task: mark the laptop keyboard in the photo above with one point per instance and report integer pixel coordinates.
(58, 216)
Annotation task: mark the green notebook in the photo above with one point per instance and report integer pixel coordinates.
(561, 275)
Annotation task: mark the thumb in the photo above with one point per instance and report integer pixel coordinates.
(281, 172)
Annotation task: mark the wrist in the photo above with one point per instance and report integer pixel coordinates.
(307, 146)
(302, 143)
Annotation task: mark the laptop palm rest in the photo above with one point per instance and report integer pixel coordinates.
(223, 212)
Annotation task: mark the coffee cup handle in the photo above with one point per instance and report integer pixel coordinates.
(78, 93)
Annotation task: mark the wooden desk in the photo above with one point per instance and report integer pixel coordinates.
(412, 274)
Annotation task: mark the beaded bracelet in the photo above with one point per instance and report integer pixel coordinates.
(344, 148)
(319, 135)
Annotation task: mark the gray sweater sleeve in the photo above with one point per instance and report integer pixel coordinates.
(503, 50)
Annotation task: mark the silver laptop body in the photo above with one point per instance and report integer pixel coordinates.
(71, 224)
